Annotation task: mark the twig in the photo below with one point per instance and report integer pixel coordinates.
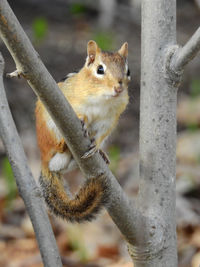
(197, 2)
(25, 181)
(29, 63)
(182, 56)
(13, 74)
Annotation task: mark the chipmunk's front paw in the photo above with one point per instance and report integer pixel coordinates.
(93, 149)
(104, 156)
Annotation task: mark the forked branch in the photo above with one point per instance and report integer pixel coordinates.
(30, 66)
(179, 57)
(25, 181)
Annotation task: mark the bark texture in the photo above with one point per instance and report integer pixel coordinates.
(156, 199)
(25, 181)
(30, 66)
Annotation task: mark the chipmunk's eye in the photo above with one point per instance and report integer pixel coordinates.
(128, 73)
(100, 70)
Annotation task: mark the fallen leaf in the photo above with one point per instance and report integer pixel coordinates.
(108, 251)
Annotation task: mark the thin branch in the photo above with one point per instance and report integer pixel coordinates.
(184, 55)
(25, 181)
(197, 3)
(29, 64)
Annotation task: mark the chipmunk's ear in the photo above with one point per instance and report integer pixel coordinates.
(123, 51)
(92, 51)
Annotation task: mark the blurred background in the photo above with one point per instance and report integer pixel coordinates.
(59, 31)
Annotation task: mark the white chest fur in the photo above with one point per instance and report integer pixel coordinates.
(100, 115)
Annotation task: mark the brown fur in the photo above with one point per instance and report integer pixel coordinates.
(80, 90)
(85, 204)
(47, 141)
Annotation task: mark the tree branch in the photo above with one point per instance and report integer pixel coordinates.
(178, 57)
(31, 67)
(25, 181)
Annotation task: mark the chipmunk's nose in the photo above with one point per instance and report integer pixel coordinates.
(118, 89)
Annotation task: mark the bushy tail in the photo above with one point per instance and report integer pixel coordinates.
(85, 205)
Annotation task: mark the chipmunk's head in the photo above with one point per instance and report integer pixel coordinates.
(108, 72)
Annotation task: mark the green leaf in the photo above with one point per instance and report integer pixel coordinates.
(76, 241)
(192, 127)
(114, 156)
(104, 40)
(10, 181)
(195, 88)
(77, 9)
(40, 28)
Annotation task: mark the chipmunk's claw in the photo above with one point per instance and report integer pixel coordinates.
(104, 156)
(84, 128)
(92, 150)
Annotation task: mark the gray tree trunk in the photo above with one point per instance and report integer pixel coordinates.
(156, 199)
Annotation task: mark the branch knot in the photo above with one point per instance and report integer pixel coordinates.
(152, 242)
(15, 73)
(173, 76)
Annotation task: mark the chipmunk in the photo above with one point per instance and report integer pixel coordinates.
(98, 94)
